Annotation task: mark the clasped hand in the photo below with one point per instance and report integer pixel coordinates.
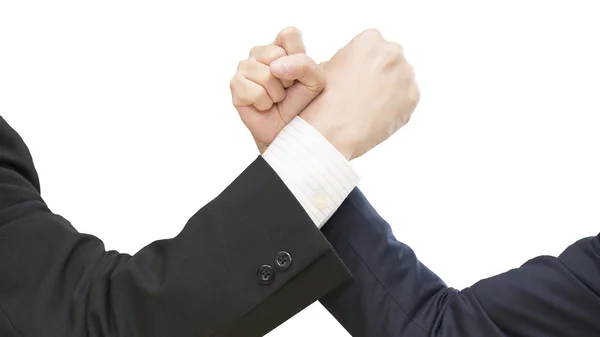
(358, 99)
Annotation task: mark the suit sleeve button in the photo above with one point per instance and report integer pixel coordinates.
(266, 274)
(283, 260)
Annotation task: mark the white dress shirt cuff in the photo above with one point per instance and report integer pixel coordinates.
(313, 170)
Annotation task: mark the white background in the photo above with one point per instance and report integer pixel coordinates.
(125, 106)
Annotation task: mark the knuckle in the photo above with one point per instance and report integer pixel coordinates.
(268, 105)
(307, 64)
(246, 67)
(303, 67)
(372, 34)
(257, 95)
(409, 72)
(249, 96)
(413, 91)
(415, 94)
(278, 95)
(289, 32)
(264, 76)
(393, 56)
(405, 119)
(395, 50)
(242, 66)
(242, 98)
(287, 83)
(254, 50)
(267, 54)
(274, 53)
(263, 104)
(235, 84)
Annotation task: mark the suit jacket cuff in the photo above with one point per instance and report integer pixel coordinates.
(312, 169)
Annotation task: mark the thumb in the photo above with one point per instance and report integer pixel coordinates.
(302, 68)
(310, 79)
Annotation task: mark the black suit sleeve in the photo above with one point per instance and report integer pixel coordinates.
(55, 281)
(394, 294)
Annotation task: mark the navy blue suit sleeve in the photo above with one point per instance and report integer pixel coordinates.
(393, 294)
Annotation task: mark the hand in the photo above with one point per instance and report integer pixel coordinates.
(371, 93)
(259, 87)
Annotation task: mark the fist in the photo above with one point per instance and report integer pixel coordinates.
(274, 85)
(371, 93)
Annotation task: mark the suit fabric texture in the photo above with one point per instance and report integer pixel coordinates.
(242, 265)
(222, 275)
(392, 294)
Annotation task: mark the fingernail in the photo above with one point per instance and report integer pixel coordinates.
(279, 68)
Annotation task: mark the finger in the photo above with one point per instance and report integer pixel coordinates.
(261, 74)
(267, 54)
(310, 82)
(290, 39)
(286, 83)
(302, 68)
(247, 93)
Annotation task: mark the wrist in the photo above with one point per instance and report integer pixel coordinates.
(314, 171)
(334, 135)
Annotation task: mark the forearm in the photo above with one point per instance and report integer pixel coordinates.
(199, 283)
(318, 176)
(204, 282)
(393, 294)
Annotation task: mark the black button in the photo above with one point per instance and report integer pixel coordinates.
(266, 274)
(283, 260)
